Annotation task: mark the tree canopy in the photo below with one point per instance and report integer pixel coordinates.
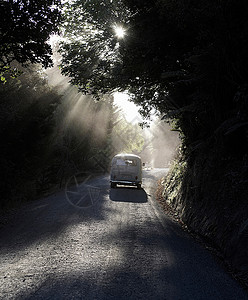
(90, 53)
(185, 58)
(25, 28)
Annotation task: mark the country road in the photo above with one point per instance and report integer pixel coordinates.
(106, 244)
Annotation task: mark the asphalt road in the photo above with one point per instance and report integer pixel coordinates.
(93, 242)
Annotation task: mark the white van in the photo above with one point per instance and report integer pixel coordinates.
(126, 169)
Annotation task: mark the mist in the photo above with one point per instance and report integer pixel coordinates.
(80, 115)
(161, 144)
(113, 119)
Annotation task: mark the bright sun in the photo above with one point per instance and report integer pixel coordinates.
(129, 109)
(120, 32)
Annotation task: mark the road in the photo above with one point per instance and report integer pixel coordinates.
(109, 244)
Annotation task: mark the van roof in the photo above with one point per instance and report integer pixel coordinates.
(127, 155)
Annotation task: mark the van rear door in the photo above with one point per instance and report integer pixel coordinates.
(124, 168)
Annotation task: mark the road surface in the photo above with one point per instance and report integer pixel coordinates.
(106, 244)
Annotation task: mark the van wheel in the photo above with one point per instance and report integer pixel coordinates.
(138, 186)
(113, 185)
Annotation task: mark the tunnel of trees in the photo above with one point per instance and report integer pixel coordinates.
(185, 58)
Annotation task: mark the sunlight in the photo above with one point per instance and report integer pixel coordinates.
(120, 32)
(129, 109)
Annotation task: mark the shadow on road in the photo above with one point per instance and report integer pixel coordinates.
(153, 264)
(107, 251)
(47, 218)
(128, 194)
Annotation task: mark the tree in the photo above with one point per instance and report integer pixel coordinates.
(98, 62)
(127, 137)
(187, 59)
(25, 28)
(27, 121)
(90, 52)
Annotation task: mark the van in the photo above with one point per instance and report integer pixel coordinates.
(126, 169)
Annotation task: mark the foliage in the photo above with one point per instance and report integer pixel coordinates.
(185, 58)
(48, 135)
(188, 60)
(85, 130)
(208, 194)
(127, 137)
(90, 51)
(25, 29)
(173, 181)
(26, 120)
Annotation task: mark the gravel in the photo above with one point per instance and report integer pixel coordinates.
(121, 246)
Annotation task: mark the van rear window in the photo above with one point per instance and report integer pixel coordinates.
(126, 162)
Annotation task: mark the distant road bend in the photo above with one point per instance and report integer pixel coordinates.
(121, 246)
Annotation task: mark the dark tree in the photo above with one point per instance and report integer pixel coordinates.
(25, 27)
(185, 58)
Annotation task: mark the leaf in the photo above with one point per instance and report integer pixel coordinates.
(3, 79)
